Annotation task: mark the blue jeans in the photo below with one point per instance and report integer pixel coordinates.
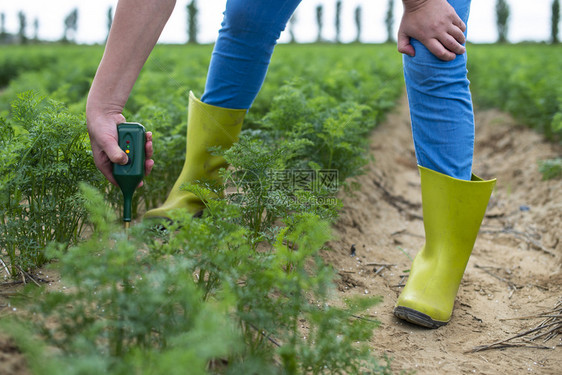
(241, 56)
(441, 108)
(438, 92)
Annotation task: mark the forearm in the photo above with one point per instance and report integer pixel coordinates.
(136, 28)
(412, 5)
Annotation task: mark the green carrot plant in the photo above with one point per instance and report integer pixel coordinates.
(203, 299)
(551, 169)
(524, 81)
(520, 79)
(44, 154)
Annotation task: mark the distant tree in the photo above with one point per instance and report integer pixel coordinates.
(70, 26)
(358, 16)
(292, 23)
(109, 21)
(502, 16)
(36, 30)
(555, 21)
(192, 25)
(319, 13)
(2, 24)
(338, 21)
(23, 25)
(389, 22)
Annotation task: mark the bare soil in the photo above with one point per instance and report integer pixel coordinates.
(11, 360)
(515, 269)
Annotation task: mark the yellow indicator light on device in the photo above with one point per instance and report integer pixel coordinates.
(127, 151)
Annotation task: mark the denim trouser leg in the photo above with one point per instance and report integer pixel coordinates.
(241, 56)
(441, 108)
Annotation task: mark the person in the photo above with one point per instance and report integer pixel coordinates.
(431, 36)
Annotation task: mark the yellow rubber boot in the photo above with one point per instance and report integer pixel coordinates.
(207, 126)
(452, 213)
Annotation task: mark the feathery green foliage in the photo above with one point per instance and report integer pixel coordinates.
(202, 299)
(522, 80)
(240, 290)
(551, 169)
(44, 155)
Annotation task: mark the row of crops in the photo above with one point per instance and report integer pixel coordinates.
(524, 81)
(308, 116)
(242, 290)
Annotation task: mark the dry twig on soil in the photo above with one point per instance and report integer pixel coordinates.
(511, 285)
(399, 202)
(25, 276)
(401, 283)
(548, 329)
(5, 267)
(383, 266)
(522, 236)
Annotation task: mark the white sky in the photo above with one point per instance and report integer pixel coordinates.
(529, 20)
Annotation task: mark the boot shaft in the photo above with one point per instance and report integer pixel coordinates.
(209, 126)
(453, 209)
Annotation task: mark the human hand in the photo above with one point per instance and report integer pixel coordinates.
(436, 25)
(102, 128)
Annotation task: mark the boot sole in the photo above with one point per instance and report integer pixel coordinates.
(416, 317)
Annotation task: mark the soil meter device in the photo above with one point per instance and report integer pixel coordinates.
(131, 139)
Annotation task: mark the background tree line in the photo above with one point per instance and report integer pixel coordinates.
(502, 13)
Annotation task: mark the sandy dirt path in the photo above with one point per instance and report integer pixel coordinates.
(515, 269)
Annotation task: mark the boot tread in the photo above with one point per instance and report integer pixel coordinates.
(416, 317)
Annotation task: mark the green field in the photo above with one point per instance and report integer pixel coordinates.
(135, 305)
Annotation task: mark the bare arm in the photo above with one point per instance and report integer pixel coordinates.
(435, 24)
(136, 28)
